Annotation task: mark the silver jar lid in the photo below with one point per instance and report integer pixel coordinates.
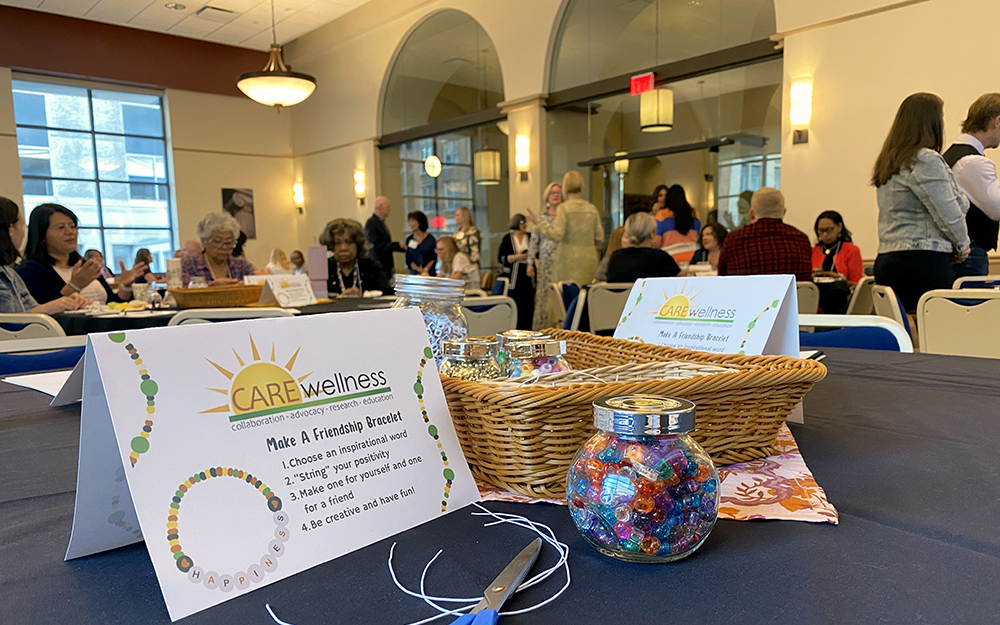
(536, 349)
(430, 286)
(470, 348)
(644, 415)
(516, 336)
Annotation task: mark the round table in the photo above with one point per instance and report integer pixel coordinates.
(76, 324)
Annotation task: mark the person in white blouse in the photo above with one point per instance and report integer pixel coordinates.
(976, 176)
(455, 264)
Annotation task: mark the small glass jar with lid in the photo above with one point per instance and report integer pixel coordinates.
(537, 357)
(470, 359)
(505, 339)
(439, 301)
(642, 489)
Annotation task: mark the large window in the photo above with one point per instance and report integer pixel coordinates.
(438, 197)
(740, 175)
(102, 154)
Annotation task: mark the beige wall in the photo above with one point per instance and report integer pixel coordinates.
(226, 142)
(862, 69)
(335, 129)
(10, 169)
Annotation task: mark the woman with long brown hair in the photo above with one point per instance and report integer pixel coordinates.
(921, 211)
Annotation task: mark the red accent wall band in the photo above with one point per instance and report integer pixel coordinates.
(65, 46)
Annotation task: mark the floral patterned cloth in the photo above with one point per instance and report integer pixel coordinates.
(469, 241)
(542, 252)
(779, 487)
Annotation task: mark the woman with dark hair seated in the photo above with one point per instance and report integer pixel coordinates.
(420, 246)
(712, 237)
(146, 257)
(835, 255)
(677, 222)
(53, 268)
(14, 295)
(351, 272)
(638, 257)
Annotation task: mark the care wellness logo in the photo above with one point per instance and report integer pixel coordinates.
(681, 306)
(263, 387)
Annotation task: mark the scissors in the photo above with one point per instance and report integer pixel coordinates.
(500, 590)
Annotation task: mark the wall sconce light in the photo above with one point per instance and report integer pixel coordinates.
(522, 155)
(486, 167)
(621, 165)
(432, 165)
(800, 113)
(359, 185)
(656, 110)
(297, 197)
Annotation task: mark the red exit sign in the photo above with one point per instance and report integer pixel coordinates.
(642, 83)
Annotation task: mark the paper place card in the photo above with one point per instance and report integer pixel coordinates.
(287, 291)
(719, 314)
(245, 452)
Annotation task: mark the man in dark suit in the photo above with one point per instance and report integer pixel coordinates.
(378, 235)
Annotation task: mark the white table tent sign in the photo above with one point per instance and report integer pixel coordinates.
(245, 452)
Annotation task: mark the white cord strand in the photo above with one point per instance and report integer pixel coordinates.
(276, 619)
(545, 533)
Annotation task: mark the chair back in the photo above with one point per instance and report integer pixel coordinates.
(861, 299)
(605, 304)
(500, 286)
(887, 304)
(855, 331)
(960, 322)
(808, 297)
(210, 315)
(487, 316)
(31, 326)
(562, 294)
(40, 354)
(574, 313)
(977, 282)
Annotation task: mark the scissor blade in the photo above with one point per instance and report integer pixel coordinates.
(497, 593)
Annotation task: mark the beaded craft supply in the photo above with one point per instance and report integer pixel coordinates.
(470, 359)
(140, 444)
(641, 489)
(432, 431)
(506, 339)
(439, 301)
(540, 357)
(254, 573)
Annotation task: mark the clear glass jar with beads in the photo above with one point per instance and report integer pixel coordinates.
(439, 301)
(641, 489)
(471, 359)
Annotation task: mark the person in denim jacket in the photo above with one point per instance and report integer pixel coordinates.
(921, 211)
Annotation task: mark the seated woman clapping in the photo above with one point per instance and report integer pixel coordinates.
(455, 264)
(14, 295)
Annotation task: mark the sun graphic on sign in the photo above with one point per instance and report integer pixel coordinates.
(676, 306)
(259, 385)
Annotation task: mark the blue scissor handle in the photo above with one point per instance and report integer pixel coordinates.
(483, 617)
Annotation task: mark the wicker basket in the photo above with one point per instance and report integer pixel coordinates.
(218, 296)
(523, 437)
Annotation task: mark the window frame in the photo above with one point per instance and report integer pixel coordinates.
(167, 185)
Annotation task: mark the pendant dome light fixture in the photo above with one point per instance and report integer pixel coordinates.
(432, 165)
(276, 85)
(656, 107)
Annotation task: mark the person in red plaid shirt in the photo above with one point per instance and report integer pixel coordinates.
(767, 245)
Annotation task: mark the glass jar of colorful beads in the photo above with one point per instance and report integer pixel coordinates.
(505, 339)
(470, 359)
(642, 489)
(439, 301)
(533, 358)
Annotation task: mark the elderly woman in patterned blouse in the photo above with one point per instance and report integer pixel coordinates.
(216, 263)
(14, 295)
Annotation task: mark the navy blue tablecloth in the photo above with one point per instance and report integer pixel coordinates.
(905, 445)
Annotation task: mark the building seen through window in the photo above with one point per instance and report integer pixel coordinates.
(102, 154)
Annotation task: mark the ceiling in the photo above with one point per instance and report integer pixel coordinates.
(244, 23)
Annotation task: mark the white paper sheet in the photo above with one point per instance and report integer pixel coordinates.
(48, 383)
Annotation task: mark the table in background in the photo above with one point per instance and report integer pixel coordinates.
(905, 445)
(75, 324)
